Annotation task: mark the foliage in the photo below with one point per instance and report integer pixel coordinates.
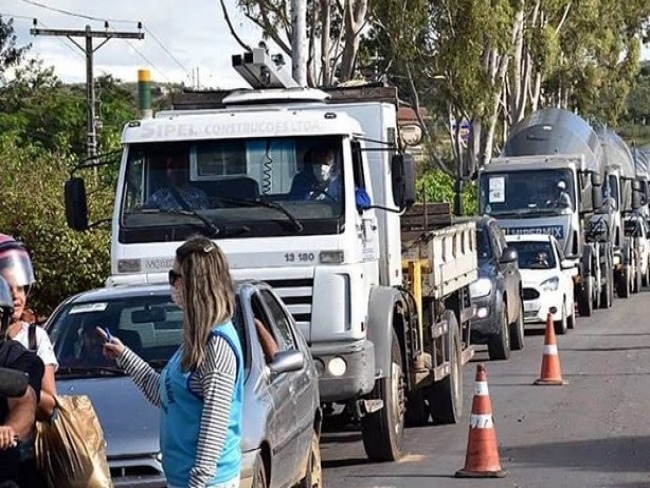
(66, 262)
(10, 55)
(438, 186)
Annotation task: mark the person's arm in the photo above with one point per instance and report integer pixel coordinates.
(144, 376)
(45, 351)
(217, 382)
(20, 418)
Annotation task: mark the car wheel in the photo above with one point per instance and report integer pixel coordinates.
(314, 476)
(259, 478)
(562, 325)
(623, 283)
(499, 344)
(517, 330)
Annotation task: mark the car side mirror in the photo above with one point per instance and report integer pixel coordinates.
(567, 264)
(76, 204)
(403, 180)
(509, 255)
(287, 361)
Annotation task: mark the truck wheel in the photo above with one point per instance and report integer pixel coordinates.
(637, 278)
(499, 344)
(562, 325)
(446, 396)
(383, 430)
(585, 304)
(517, 330)
(623, 283)
(606, 292)
(417, 411)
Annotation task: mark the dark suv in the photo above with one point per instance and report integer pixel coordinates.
(496, 295)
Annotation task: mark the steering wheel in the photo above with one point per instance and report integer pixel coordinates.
(318, 191)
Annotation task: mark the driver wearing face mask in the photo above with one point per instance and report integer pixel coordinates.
(317, 181)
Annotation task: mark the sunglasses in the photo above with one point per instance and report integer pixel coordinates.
(173, 277)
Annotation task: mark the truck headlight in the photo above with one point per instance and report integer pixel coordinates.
(551, 284)
(480, 288)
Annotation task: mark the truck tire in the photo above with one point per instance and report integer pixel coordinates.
(383, 430)
(562, 325)
(417, 410)
(499, 344)
(517, 330)
(446, 396)
(623, 283)
(607, 293)
(585, 304)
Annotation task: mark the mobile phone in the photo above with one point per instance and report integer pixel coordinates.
(109, 337)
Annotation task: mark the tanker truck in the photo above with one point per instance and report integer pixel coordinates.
(642, 168)
(621, 192)
(548, 180)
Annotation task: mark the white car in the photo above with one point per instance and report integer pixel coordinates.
(547, 280)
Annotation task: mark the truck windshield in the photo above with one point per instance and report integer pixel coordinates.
(610, 191)
(253, 188)
(530, 192)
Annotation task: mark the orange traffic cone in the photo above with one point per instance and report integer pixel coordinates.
(482, 459)
(551, 374)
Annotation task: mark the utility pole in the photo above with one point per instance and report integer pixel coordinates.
(88, 34)
(299, 41)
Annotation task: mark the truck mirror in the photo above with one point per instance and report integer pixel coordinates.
(76, 204)
(403, 176)
(597, 196)
(596, 179)
(637, 196)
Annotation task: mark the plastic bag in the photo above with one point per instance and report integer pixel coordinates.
(71, 447)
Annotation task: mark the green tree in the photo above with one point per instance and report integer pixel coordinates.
(10, 54)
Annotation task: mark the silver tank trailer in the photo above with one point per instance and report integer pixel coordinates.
(618, 154)
(556, 131)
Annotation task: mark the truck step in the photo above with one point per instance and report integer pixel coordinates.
(370, 406)
(468, 354)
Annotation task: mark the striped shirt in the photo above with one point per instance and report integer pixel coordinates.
(214, 382)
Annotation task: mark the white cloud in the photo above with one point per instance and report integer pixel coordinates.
(193, 31)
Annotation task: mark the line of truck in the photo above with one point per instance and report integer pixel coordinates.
(380, 290)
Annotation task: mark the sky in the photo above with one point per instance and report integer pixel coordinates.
(180, 36)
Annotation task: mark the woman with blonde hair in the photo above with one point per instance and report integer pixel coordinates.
(200, 390)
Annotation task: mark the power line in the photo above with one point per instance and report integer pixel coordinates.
(89, 51)
(90, 17)
(166, 50)
(146, 60)
(75, 14)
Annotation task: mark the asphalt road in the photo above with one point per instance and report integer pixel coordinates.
(592, 433)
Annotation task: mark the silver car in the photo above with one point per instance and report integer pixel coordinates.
(281, 416)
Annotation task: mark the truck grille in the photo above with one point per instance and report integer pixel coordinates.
(530, 294)
(296, 294)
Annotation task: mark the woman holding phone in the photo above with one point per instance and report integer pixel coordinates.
(200, 390)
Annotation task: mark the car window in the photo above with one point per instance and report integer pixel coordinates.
(535, 254)
(281, 322)
(483, 243)
(151, 325)
(266, 337)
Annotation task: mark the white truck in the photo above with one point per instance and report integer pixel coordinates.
(387, 318)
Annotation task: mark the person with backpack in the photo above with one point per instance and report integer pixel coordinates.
(17, 415)
(16, 268)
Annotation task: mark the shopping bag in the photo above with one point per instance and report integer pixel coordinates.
(70, 449)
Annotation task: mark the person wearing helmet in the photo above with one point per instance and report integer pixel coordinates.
(563, 199)
(17, 415)
(16, 269)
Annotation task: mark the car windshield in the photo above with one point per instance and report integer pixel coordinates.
(253, 187)
(151, 325)
(534, 255)
(483, 244)
(527, 193)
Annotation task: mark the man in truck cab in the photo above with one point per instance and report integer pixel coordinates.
(177, 192)
(562, 199)
(318, 179)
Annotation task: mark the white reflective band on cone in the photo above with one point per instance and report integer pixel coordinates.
(481, 388)
(550, 350)
(481, 421)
